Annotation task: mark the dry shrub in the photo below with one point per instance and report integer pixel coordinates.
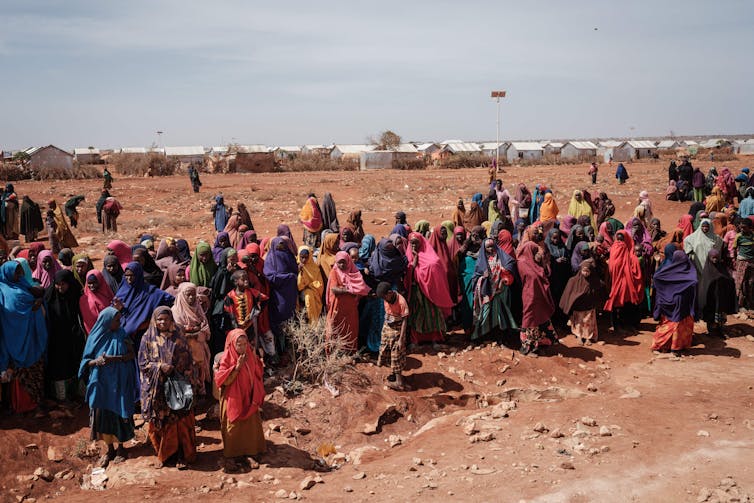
(12, 172)
(313, 162)
(409, 164)
(153, 164)
(721, 154)
(85, 171)
(317, 360)
(459, 161)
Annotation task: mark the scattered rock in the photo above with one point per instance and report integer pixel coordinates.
(501, 382)
(43, 474)
(54, 454)
(556, 433)
(567, 465)
(588, 421)
(293, 495)
(540, 428)
(704, 495)
(307, 483)
(348, 489)
(281, 494)
(470, 428)
(702, 433)
(580, 433)
(605, 431)
(417, 461)
(359, 476)
(302, 430)
(482, 437)
(591, 387)
(62, 474)
(631, 393)
(750, 338)
(394, 440)
(31, 446)
(481, 471)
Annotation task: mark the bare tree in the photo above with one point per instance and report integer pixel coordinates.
(389, 140)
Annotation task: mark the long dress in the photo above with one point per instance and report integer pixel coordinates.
(537, 300)
(343, 308)
(66, 336)
(111, 389)
(493, 276)
(675, 287)
(241, 396)
(170, 432)
(466, 267)
(311, 286)
(193, 321)
(63, 232)
(23, 338)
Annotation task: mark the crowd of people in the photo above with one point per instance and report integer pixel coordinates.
(161, 328)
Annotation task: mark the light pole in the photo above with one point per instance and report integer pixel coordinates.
(159, 138)
(497, 95)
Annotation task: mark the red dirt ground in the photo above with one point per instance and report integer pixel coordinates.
(677, 426)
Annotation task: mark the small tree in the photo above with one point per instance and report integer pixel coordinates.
(389, 140)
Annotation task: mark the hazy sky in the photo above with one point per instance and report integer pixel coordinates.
(105, 73)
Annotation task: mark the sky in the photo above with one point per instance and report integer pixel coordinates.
(109, 74)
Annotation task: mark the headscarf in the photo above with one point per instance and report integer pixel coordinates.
(122, 251)
(641, 237)
(716, 200)
(538, 305)
(350, 278)
(430, 273)
(401, 230)
(671, 189)
(184, 313)
(609, 240)
(505, 242)
(387, 262)
(42, 275)
(245, 395)
(152, 272)
(221, 283)
(23, 338)
(311, 215)
(139, 299)
(247, 238)
(727, 184)
(580, 208)
(221, 213)
(184, 255)
(217, 248)
(556, 250)
(576, 258)
(668, 252)
(327, 253)
(449, 226)
(699, 244)
(65, 257)
(675, 289)
(620, 172)
(154, 350)
(92, 303)
(27, 271)
(549, 208)
(423, 227)
(329, 214)
(281, 271)
(113, 281)
(454, 246)
(440, 247)
(356, 223)
(201, 274)
(573, 239)
(473, 216)
(171, 275)
(647, 204)
(368, 245)
(717, 289)
(685, 223)
(112, 387)
(625, 272)
(232, 229)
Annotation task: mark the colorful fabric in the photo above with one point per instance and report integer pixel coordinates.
(673, 335)
(244, 393)
(92, 303)
(625, 273)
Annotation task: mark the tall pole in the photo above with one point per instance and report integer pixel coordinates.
(497, 95)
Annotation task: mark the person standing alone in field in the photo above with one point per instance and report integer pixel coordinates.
(593, 172)
(194, 177)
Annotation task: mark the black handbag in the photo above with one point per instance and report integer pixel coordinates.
(179, 394)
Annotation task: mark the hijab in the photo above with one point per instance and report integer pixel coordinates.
(387, 263)
(112, 280)
(184, 313)
(717, 289)
(24, 331)
(91, 303)
(675, 289)
(329, 214)
(42, 275)
(350, 278)
(327, 253)
(625, 272)
(245, 395)
(538, 305)
(201, 274)
(217, 248)
(430, 273)
(699, 244)
(505, 241)
(139, 299)
(122, 251)
(549, 208)
(112, 387)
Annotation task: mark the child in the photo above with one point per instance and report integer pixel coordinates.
(393, 344)
(243, 305)
(583, 293)
(593, 172)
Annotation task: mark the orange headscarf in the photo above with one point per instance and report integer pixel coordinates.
(548, 210)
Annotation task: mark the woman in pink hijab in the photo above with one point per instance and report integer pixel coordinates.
(345, 287)
(47, 268)
(429, 298)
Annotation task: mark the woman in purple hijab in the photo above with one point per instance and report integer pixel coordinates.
(222, 241)
(139, 299)
(281, 271)
(285, 231)
(675, 299)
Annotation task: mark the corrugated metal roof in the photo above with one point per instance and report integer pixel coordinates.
(490, 145)
(451, 141)
(80, 151)
(32, 150)
(457, 147)
(218, 150)
(253, 149)
(407, 148)
(424, 146)
(689, 143)
(133, 150)
(666, 143)
(553, 144)
(354, 149)
(641, 144)
(184, 151)
(526, 145)
(713, 142)
(610, 143)
(583, 145)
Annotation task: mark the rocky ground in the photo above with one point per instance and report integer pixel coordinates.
(608, 422)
